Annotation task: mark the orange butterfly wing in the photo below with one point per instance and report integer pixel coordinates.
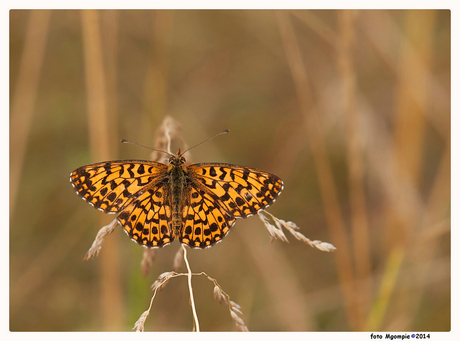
(135, 189)
(221, 193)
(214, 195)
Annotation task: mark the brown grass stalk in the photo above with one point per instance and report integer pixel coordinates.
(25, 95)
(359, 219)
(156, 80)
(100, 146)
(313, 129)
(410, 120)
(109, 28)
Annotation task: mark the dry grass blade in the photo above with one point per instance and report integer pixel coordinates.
(235, 309)
(219, 294)
(147, 260)
(276, 232)
(238, 321)
(97, 244)
(158, 285)
(162, 280)
(237, 314)
(139, 325)
(178, 259)
(169, 132)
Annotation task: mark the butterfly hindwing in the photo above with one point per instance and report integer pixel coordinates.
(204, 223)
(147, 220)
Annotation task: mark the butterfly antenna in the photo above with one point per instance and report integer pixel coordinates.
(222, 132)
(137, 144)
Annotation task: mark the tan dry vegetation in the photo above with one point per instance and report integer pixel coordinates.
(350, 108)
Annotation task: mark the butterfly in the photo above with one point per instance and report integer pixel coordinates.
(158, 203)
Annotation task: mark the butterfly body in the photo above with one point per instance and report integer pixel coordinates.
(177, 173)
(157, 203)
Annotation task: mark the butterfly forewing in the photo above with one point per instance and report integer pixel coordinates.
(241, 191)
(110, 186)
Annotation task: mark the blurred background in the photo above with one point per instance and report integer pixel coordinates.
(350, 108)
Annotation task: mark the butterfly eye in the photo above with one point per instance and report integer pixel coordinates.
(182, 159)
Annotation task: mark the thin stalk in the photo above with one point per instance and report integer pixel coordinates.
(190, 288)
(335, 222)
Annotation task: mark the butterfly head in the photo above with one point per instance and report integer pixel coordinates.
(177, 161)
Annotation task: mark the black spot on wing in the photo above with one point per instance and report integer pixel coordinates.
(141, 169)
(212, 171)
